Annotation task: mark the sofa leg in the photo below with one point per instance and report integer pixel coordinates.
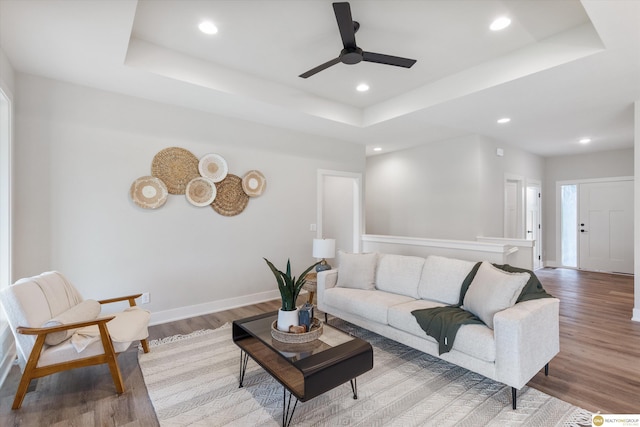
(546, 370)
(326, 318)
(513, 397)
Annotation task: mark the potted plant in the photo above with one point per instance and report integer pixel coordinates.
(289, 288)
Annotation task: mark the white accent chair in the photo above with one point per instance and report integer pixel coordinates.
(56, 330)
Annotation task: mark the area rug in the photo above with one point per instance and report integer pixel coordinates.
(193, 381)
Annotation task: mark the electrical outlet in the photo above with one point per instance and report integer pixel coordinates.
(145, 298)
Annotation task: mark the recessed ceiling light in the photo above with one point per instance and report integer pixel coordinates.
(585, 140)
(377, 149)
(504, 120)
(362, 87)
(500, 23)
(208, 27)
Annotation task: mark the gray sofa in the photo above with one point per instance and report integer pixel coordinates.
(379, 291)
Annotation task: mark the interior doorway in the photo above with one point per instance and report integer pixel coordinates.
(513, 207)
(339, 213)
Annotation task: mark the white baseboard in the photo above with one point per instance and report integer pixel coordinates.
(636, 315)
(166, 316)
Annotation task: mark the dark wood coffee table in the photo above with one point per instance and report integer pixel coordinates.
(305, 370)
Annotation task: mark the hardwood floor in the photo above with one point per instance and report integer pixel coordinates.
(598, 367)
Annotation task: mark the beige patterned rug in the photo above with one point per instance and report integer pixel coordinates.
(193, 381)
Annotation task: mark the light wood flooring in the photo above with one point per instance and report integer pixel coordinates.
(598, 367)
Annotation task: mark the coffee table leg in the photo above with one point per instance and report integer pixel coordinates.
(244, 360)
(287, 411)
(354, 388)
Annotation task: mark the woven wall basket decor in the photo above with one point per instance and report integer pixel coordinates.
(254, 183)
(201, 191)
(231, 198)
(148, 192)
(176, 167)
(214, 167)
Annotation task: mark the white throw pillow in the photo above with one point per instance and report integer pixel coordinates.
(399, 274)
(357, 271)
(442, 278)
(493, 290)
(86, 310)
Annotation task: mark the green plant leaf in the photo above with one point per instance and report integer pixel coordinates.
(289, 286)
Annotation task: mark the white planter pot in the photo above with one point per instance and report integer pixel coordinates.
(286, 319)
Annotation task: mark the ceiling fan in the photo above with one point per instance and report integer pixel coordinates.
(352, 54)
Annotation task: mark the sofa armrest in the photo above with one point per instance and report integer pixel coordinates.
(325, 280)
(527, 337)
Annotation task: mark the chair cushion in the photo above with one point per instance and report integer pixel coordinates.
(399, 274)
(442, 278)
(66, 352)
(357, 271)
(86, 310)
(493, 290)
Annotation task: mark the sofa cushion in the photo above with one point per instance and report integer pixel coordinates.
(442, 278)
(371, 305)
(493, 290)
(357, 271)
(475, 340)
(82, 312)
(399, 274)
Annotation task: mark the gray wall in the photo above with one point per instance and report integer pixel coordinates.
(447, 190)
(603, 164)
(78, 150)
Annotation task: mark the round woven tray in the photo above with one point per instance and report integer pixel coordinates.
(287, 337)
(175, 166)
(231, 198)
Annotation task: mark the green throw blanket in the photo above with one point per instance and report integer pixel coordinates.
(442, 323)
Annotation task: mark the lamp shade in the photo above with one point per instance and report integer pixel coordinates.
(324, 248)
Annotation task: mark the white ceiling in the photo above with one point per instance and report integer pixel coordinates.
(563, 70)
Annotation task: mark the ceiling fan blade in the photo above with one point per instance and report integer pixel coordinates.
(319, 68)
(345, 24)
(388, 59)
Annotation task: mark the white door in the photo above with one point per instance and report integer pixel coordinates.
(533, 226)
(606, 226)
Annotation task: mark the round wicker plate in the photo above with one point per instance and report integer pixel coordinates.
(313, 334)
(254, 183)
(148, 192)
(201, 191)
(175, 166)
(231, 199)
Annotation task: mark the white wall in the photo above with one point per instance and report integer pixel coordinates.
(78, 151)
(603, 164)
(448, 190)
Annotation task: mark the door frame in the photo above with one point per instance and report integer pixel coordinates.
(537, 249)
(358, 215)
(576, 182)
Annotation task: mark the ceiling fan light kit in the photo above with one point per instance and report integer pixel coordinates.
(351, 54)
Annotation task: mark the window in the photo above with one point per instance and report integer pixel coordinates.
(5, 221)
(569, 225)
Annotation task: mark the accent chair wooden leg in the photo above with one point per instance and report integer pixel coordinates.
(27, 376)
(513, 397)
(145, 345)
(546, 370)
(110, 354)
